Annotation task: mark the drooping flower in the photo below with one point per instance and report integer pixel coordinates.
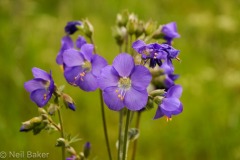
(156, 53)
(171, 104)
(83, 67)
(124, 84)
(41, 87)
(170, 32)
(67, 43)
(71, 27)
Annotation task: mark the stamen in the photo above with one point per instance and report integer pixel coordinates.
(45, 96)
(168, 119)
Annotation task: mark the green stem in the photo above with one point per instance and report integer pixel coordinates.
(135, 142)
(62, 134)
(120, 134)
(94, 49)
(105, 126)
(126, 135)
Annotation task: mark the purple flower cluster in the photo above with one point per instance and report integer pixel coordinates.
(161, 54)
(41, 87)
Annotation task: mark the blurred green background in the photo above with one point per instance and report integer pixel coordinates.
(208, 128)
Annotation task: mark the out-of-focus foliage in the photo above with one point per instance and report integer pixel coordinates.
(208, 128)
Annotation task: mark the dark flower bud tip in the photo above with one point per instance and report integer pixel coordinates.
(87, 149)
(72, 27)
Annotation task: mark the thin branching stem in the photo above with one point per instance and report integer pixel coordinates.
(126, 135)
(135, 142)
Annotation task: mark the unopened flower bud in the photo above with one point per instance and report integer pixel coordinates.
(119, 33)
(158, 99)
(140, 29)
(36, 120)
(72, 27)
(52, 108)
(150, 27)
(87, 28)
(133, 134)
(37, 128)
(87, 149)
(68, 101)
(60, 142)
(149, 104)
(26, 126)
(42, 111)
(157, 92)
(71, 150)
(158, 33)
(132, 24)
(122, 18)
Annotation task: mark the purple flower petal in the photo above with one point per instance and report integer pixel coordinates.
(178, 110)
(175, 91)
(141, 77)
(123, 64)
(71, 26)
(87, 51)
(72, 57)
(67, 43)
(108, 77)
(159, 113)
(39, 73)
(167, 66)
(138, 44)
(40, 97)
(135, 100)
(72, 74)
(80, 41)
(170, 30)
(33, 85)
(169, 105)
(98, 63)
(88, 82)
(111, 99)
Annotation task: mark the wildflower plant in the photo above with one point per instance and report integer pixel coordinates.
(140, 78)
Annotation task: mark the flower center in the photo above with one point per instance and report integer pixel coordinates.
(124, 84)
(87, 66)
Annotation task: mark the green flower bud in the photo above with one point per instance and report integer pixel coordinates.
(68, 101)
(133, 134)
(52, 108)
(39, 127)
(119, 33)
(132, 24)
(42, 111)
(149, 104)
(26, 126)
(71, 150)
(158, 33)
(122, 18)
(140, 29)
(150, 27)
(158, 99)
(157, 92)
(87, 28)
(60, 142)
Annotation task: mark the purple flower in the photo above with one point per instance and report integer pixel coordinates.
(41, 87)
(170, 104)
(67, 43)
(170, 32)
(124, 84)
(83, 67)
(156, 53)
(169, 80)
(71, 27)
